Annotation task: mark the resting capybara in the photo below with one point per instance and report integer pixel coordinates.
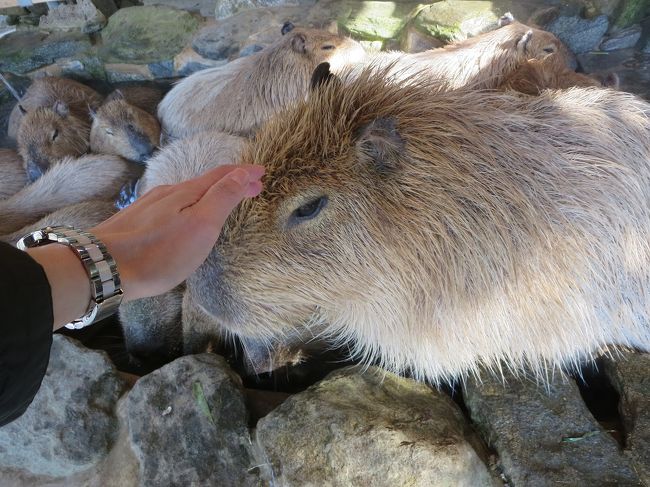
(12, 173)
(66, 183)
(145, 98)
(478, 62)
(439, 231)
(152, 326)
(536, 75)
(123, 129)
(239, 96)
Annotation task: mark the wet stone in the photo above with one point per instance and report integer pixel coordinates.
(544, 434)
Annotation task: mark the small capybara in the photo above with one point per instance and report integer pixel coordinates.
(52, 122)
(123, 129)
(69, 182)
(152, 326)
(239, 96)
(479, 62)
(439, 231)
(536, 75)
(12, 173)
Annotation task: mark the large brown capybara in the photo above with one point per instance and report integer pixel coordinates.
(437, 232)
(123, 129)
(479, 62)
(239, 96)
(52, 122)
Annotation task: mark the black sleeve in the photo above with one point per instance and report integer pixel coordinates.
(25, 330)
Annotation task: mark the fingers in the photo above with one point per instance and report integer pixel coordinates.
(218, 201)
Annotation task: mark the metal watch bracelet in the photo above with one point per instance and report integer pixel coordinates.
(105, 286)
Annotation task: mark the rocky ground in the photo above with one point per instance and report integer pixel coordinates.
(195, 421)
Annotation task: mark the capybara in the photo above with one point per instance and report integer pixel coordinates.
(84, 215)
(123, 129)
(152, 326)
(438, 231)
(239, 96)
(478, 62)
(536, 75)
(52, 122)
(66, 183)
(12, 173)
(145, 98)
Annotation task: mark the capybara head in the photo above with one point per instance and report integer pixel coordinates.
(436, 231)
(122, 129)
(48, 134)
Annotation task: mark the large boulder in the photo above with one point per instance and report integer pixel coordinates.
(580, 35)
(82, 16)
(187, 425)
(71, 424)
(373, 429)
(544, 434)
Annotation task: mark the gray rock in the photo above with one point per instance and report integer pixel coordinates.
(144, 35)
(250, 49)
(630, 376)
(203, 7)
(82, 16)
(623, 39)
(70, 426)
(646, 49)
(25, 51)
(212, 42)
(415, 41)
(580, 35)
(545, 435)
(106, 7)
(370, 429)
(227, 8)
(187, 424)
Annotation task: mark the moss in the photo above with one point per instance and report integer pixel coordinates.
(375, 20)
(630, 12)
(448, 20)
(144, 35)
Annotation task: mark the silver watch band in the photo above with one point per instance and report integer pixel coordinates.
(105, 285)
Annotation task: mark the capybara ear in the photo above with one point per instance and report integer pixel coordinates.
(116, 95)
(321, 76)
(506, 19)
(381, 143)
(22, 109)
(611, 81)
(287, 27)
(522, 44)
(298, 43)
(61, 108)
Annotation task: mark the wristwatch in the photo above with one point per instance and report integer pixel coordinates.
(105, 285)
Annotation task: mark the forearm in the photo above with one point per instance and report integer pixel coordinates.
(68, 280)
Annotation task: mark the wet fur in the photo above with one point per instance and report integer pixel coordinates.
(69, 182)
(463, 228)
(238, 97)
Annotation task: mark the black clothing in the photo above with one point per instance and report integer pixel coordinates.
(26, 321)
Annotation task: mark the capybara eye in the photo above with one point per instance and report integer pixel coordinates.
(109, 132)
(55, 134)
(308, 210)
(130, 127)
(328, 47)
(549, 49)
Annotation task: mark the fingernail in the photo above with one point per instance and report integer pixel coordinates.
(240, 176)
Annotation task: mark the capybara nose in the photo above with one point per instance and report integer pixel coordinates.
(34, 171)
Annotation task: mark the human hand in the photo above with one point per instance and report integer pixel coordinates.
(159, 240)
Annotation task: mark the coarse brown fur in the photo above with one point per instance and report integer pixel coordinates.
(45, 92)
(84, 215)
(536, 75)
(68, 182)
(56, 123)
(12, 174)
(238, 97)
(459, 229)
(479, 62)
(145, 98)
(123, 129)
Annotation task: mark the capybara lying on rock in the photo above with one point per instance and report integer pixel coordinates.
(439, 231)
(238, 97)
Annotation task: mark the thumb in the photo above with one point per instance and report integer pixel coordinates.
(223, 196)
